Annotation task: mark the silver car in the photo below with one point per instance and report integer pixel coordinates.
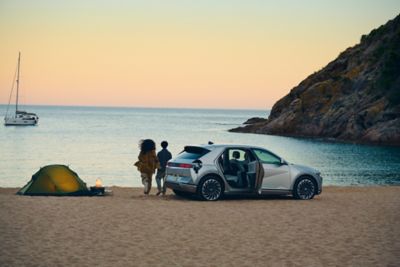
(211, 171)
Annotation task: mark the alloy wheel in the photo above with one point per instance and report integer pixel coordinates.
(305, 189)
(211, 189)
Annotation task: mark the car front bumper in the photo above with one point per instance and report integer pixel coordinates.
(320, 179)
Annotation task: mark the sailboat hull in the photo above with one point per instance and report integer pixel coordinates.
(20, 121)
(21, 118)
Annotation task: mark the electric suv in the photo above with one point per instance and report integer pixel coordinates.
(211, 171)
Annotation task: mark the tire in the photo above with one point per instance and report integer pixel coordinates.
(211, 189)
(304, 188)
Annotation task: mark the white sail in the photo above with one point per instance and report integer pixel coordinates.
(20, 117)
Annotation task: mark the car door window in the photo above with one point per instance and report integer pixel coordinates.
(238, 152)
(267, 157)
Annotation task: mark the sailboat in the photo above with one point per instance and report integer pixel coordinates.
(20, 118)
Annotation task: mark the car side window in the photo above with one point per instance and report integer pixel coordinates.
(239, 152)
(266, 157)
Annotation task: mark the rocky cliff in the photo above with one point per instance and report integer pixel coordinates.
(354, 98)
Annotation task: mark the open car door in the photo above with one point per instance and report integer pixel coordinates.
(256, 175)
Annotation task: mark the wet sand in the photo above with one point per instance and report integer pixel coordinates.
(344, 226)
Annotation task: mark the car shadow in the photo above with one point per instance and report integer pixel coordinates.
(235, 197)
(256, 197)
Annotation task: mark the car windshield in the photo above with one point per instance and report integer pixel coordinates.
(192, 152)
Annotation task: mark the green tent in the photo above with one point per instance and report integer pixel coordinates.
(54, 180)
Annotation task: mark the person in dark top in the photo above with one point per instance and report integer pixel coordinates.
(163, 157)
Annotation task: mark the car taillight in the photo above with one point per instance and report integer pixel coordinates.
(185, 165)
(180, 165)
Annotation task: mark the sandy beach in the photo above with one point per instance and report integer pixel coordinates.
(344, 226)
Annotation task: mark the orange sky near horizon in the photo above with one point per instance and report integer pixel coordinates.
(222, 54)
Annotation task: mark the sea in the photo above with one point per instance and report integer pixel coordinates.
(102, 143)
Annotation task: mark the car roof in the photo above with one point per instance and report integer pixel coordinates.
(214, 146)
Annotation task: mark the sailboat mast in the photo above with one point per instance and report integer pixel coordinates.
(16, 102)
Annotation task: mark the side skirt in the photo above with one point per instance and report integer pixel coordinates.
(275, 192)
(238, 191)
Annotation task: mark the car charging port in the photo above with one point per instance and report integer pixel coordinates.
(197, 164)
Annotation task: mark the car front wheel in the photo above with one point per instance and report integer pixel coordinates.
(211, 189)
(304, 188)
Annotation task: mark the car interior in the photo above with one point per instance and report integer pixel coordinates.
(239, 167)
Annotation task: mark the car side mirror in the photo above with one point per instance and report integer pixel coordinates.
(283, 162)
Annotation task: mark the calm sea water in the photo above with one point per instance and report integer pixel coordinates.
(103, 143)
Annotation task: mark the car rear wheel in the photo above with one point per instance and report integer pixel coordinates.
(305, 188)
(211, 189)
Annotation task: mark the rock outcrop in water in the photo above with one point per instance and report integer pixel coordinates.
(354, 98)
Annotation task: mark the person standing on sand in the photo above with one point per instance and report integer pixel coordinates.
(163, 157)
(147, 163)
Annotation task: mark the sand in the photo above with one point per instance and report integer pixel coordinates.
(345, 226)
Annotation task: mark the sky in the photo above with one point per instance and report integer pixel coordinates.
(175, 53)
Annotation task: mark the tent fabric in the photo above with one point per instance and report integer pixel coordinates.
(55, 180)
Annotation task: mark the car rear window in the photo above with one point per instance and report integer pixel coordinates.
(192, 152)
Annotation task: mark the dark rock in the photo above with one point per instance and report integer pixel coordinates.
(356, 97)
(255, 120)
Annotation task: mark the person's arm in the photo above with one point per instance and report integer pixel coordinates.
(157, 162)
(139, 163)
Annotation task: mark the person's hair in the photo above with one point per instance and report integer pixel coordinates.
(164, 144)
(146, 145)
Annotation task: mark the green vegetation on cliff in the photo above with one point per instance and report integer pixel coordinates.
(356, 97)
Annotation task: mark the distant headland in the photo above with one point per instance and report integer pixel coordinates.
(354, 98)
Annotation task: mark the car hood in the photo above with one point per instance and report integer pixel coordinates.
(303, 168)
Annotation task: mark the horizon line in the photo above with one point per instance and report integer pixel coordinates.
(140, 107)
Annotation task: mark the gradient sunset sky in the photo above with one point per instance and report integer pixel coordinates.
(194, 54)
